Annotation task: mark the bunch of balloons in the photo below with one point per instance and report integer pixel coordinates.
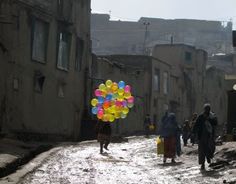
(112, 101)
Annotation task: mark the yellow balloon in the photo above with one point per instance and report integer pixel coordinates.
(94, 102)
(125, 110)
(112, 118)
(120, 97)
(117, 115)
(120, 91)
(105, 118)
(114, 87)
(113, 109)
(102, 87)
(127, 95)
(108, 83)
(104, 93)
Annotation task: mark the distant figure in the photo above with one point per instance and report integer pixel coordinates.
(178, 141)
(104, 135)
(168, 131)
(146, 125)
(205, 129)
(186, 132)
(192, 123)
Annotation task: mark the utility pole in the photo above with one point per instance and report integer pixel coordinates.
(146, 24)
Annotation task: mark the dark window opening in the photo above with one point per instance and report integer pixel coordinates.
(39, 80)
(188, 57)
(61, 90)
(63, 52)
(79, 54)
(40, 31)
(157, 80)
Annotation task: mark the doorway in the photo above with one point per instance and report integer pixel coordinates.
(231, 123)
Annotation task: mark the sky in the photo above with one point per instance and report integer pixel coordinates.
(132, 10)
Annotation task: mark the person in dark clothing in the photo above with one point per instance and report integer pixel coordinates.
(186, 132)
(205, 130)
(104, 135)
(146, 125)
(192, 123)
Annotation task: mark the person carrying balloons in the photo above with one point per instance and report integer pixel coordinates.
(104, 135)
(112, 101)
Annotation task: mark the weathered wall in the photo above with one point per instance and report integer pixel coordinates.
(186, 89)
(52, 111)
(216, 93)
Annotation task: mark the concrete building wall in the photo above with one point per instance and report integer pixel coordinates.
(187, 74)
(160, 98)
(56, 107)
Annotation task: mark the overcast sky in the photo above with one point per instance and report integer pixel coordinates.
(132, 10)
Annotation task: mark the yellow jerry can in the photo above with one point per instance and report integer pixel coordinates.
(160, 145)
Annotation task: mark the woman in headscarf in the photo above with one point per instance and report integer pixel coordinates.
(169, 132)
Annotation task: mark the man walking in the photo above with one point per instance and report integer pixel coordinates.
(205, 129)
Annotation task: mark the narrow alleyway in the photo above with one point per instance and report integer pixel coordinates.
(133, 162)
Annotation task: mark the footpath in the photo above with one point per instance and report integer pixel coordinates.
(14, 153)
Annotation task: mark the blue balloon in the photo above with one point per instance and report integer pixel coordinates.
(109, 97)
(121, 84)
(100, 100)
(94, 110)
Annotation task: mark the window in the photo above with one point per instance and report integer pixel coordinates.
(188, 57)
(40, 31)
(165, 83)
(157, 80)
(60, 6)
(63, 56)
(79, 54)
(39, 79)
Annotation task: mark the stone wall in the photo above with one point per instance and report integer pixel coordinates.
(44, 96)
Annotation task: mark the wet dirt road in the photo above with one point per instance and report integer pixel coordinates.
(133, 162)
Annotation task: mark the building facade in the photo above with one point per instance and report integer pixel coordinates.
(47, 49)
(188, 67)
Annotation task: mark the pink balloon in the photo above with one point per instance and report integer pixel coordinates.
(98, 92)
(118, 103)
(131, 99)
(127, 88)
(100, 112)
